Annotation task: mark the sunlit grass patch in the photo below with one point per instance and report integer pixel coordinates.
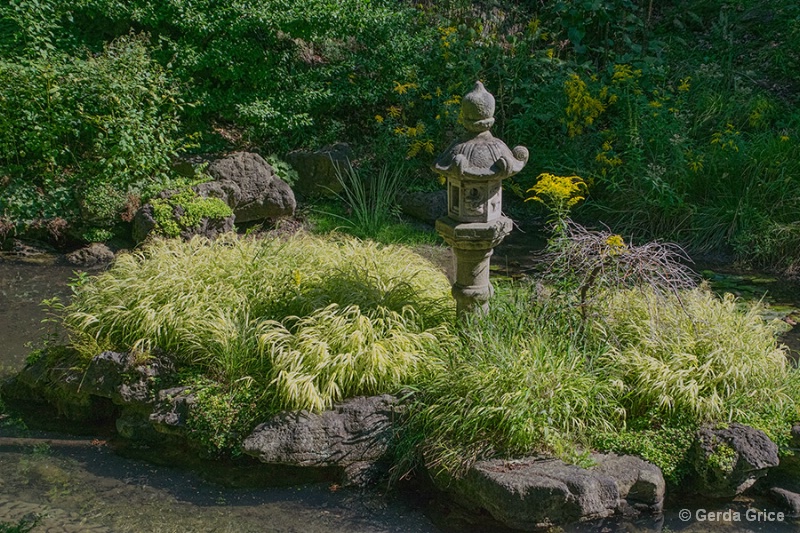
(240, 308)
(696, 355)
(533, 377)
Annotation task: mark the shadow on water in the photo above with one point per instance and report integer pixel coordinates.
(95, 482)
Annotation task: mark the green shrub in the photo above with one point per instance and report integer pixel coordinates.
(235, 309)
(283, 170)
(287, 73)
(222, 416)
(83, 137)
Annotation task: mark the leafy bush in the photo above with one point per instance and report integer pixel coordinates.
(83, 137)
(222, 415)
(273, 311)
(283, 72)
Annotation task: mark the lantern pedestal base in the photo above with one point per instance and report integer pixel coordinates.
(473, 244)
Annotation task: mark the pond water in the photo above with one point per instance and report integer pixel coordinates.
(91, 482)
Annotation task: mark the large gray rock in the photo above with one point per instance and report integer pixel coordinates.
(316, 171)
(728, 461)
(172, 410)
(354, 435)
(533, 493)
(640, 484)
(119, 377)
(249, 185)
(795, 442)
(787, 499)
(94, 255)
(529, 494)
(424, 206)
(59, 384)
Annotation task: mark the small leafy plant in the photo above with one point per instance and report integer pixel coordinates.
(184, 211)
(559, 194)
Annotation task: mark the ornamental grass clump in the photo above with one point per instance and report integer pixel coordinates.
(340, 352)
(311, 320)
(695, 356)
(515, 382)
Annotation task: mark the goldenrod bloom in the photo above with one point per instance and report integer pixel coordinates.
(616, 244)
(558, 193)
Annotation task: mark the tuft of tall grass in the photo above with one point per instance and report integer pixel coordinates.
(371, 201)
(218, 306)
(514, 382)
(695, 356)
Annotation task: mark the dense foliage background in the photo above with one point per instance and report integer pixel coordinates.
(681, 115)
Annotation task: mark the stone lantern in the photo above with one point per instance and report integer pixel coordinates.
(475, 165)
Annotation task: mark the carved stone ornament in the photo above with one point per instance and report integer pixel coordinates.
(475, 166)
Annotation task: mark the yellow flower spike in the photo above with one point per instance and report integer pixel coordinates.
(378, 119)
(685, 85)
(394, 111)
